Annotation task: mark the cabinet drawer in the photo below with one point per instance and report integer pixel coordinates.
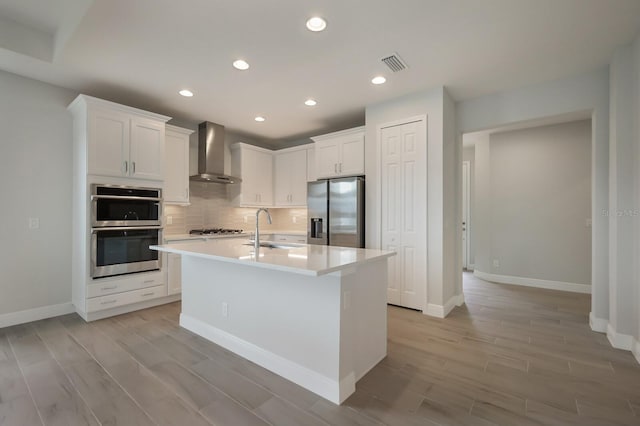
(126, 298)
(290, 238)
(126, 283)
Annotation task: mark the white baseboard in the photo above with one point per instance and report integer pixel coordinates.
(333, 390)
(533, 282)
(35, 314)
(441, 311)
(636, 350)
(598, 324)
(619, 340)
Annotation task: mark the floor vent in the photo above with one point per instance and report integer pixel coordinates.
(394, 62)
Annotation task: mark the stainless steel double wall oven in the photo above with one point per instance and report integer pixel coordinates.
(125, 221)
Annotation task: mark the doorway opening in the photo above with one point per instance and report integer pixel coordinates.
(526, 207)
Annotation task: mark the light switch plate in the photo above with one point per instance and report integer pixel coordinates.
(34, 223)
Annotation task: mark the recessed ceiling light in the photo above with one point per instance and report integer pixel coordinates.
(260, 118)
(378, 80)
(186, 93)
(316, 24)
(240, 65)
(310, 102)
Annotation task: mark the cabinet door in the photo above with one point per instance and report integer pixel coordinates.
(174, 273)
(311, 163)
(176, 182)
(147, 149)
(298, 180)
(352, 156)
(263, 177)
(282, 178)
(108, 143)
(327, 158)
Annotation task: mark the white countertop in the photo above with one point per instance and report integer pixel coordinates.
(305, 259)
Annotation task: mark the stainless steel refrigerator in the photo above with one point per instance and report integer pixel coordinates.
(335, 211)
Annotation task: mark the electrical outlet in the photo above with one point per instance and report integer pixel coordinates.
(245, 219)
(34, 223)
(225, 309)
(294, 219)
(169, 220)
(496, 263)
(587, 223)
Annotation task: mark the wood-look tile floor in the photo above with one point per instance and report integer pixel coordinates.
(511, 356)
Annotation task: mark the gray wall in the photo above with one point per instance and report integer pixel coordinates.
(35, 181)
(538, 202)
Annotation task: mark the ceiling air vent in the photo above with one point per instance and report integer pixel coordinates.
(394, 62)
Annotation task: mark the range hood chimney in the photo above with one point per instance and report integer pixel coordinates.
(211, 155)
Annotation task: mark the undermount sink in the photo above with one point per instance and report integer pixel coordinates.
(272, 244)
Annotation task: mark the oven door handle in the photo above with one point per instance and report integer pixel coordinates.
(124, 228)
(118, 197)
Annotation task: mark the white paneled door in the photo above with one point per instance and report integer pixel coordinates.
(403, 155)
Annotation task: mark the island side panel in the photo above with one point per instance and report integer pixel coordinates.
(364, 324)
(286, 322)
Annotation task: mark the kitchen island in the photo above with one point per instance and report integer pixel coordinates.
(315, 315)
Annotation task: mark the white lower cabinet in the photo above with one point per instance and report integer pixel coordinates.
(289, 238)
(126, 298)
(174, 273)
(124, 283)
(109, 293)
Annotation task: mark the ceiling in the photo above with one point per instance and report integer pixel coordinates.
(142, 52)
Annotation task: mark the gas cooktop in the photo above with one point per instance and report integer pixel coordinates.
(215, 231)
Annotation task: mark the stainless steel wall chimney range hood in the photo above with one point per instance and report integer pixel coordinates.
(211, 155)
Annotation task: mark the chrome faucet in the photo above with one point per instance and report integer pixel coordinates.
(257, 236)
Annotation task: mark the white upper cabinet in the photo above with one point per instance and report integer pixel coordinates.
(254, 166)
(340, 153)
(120, 141)
(290, 183)
(176, 181)
(146, 151)
(311, 163)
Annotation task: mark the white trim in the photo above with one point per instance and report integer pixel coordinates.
(636, 350)
(333, 390)
(35, 314)
(619, 340)
(597, 324)
(441, 311)
(339, 133)
(466, 212)
(533, 282)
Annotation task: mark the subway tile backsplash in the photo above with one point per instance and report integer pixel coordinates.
(210, 208)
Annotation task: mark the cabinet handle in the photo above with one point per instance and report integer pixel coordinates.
(126, 167)
(108, 302)
(335, 168)
(133, 167)
(339, 167)
(148, 294)
(110, 287)
(148, 281)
